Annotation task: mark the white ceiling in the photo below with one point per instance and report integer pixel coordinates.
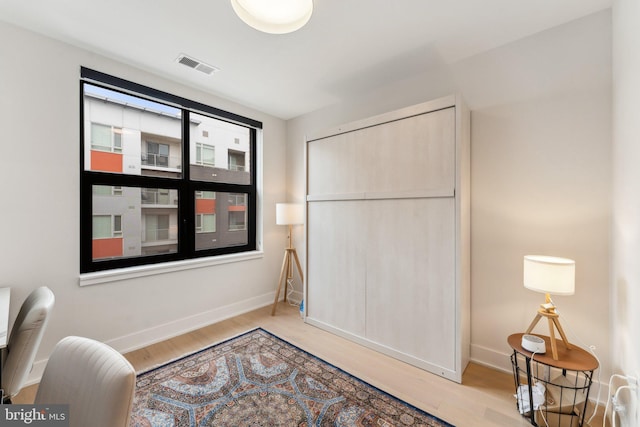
(348, 46)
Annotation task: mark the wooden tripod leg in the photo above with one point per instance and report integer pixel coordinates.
(295, 256)
(556, 322)
(282, 276)
(552, 338)
(534, 323)
(289, 275)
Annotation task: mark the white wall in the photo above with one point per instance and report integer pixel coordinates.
(541, 173)
(39, 213)
(625, 277)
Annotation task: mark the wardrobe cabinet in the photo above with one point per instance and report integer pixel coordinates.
(388, 234)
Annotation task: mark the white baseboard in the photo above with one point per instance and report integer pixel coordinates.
(172, 329)
(490, 358)
(169, 330)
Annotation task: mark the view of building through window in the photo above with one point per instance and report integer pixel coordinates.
(127, 135)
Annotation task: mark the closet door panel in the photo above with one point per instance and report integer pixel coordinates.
(336, 264)
(411, 277)
(335, 165)
(409, 155)
(412, 154)
(387, 233)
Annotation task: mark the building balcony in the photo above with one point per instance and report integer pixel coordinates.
(161, 162)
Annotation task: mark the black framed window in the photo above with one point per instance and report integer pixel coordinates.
(163, 178)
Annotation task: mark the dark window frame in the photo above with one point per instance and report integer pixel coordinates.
(185, 186)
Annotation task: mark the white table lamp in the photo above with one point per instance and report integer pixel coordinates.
(551, 276)
(288, 214)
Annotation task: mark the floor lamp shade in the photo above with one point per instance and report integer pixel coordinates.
(289, 214)
(550, 275)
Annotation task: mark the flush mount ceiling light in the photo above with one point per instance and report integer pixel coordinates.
(274, 16)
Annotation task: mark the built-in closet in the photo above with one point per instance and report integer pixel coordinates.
(387, 234)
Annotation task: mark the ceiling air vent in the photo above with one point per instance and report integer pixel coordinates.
(196, 65)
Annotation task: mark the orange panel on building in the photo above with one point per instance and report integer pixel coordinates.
(105, 161)
(205, 206)
(237, 208)
(107, 248)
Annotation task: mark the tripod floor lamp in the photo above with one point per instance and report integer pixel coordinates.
(550, 275)
(288, 214)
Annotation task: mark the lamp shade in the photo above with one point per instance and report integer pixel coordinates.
(550, 275)
(289, 213)
(274, 16)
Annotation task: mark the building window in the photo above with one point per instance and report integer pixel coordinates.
(139, 144)
(205, 223)
(106, 226)
(236, 160)
(106, 138)
(117, 226)
(205, 154)
(107, 190)
(237, 221)
(206, 195)
(158, 196)
(156, 228)
(206, 219)
(237, 212)
(157, 155)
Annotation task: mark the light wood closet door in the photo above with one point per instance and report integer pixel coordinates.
(411, 277)
(381, 235)
(414, 154)
(336, 261)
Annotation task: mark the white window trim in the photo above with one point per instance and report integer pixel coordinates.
(107, 276)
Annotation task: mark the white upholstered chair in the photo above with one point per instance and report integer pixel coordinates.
(24, 340)
(95, 381)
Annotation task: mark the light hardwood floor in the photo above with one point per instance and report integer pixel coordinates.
(485, 397)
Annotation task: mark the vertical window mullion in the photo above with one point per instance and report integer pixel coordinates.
(253, 196)
(187, 212)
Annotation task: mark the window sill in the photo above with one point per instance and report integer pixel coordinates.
(107, 276)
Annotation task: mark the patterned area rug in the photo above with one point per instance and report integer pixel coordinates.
(257, 379)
